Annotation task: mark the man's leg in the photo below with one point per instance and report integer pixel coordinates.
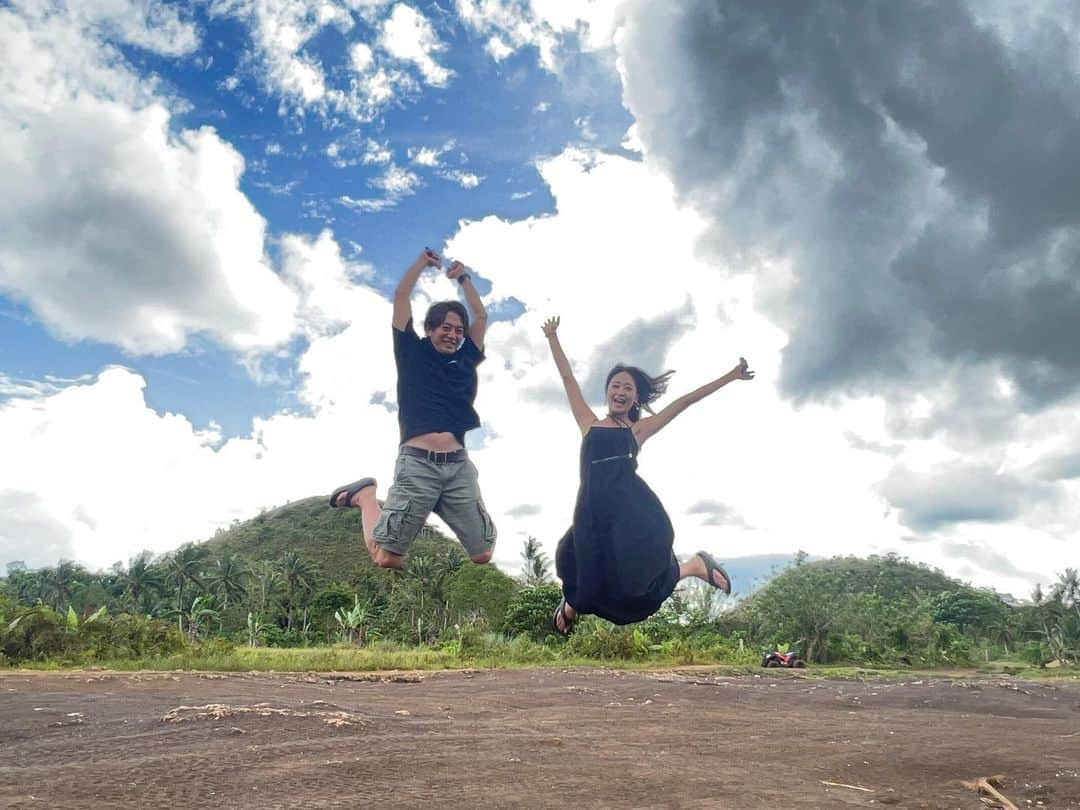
(388, 532)
(365, 501)
(462, 508)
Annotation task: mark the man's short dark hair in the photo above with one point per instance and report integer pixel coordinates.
(436, 314)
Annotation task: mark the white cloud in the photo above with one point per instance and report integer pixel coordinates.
(361, 57)
(376, 153)
(462, 178)
(116, 228)
(407, 35)
(430, 156)
(396, 182)
(498, 49)
(545, 25)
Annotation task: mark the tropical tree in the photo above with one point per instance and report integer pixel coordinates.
(184, 569)
(201, 612)
(141, 580)
(60, 583)
(353, 622)
(535, 566)
(256, 628)
(228, 578)
(299, 575)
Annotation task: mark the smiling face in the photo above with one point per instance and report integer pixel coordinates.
(621, 394)
(448, 335)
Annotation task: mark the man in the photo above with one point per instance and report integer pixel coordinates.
(436, 389)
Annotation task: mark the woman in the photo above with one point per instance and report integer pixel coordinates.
(616, 561)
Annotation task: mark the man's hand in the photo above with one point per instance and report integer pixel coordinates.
(456, 269)
(743, 371)
(430, 258)
(551, 326)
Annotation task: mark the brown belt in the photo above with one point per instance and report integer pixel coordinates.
(438, 456)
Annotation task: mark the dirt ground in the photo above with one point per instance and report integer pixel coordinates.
(532, 739)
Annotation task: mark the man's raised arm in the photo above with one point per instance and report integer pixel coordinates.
(477, 313)
(403, 293)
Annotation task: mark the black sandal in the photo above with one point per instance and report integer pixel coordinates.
(568, 623)
(350, 490)
(712, 567)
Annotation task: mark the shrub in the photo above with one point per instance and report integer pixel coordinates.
(595, 638)
(529, 611)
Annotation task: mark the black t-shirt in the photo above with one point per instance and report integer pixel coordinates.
(435, 391)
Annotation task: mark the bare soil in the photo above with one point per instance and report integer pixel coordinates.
(532, 739)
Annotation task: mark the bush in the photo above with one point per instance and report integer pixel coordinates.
(595, 638)
(529, 611)
(479, 590)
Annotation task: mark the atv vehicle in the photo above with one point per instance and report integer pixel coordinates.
(782, 659)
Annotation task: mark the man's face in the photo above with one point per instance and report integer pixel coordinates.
(447, 336)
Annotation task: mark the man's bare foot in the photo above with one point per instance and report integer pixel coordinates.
(346, 496)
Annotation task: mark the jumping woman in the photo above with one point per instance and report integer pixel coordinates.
(616, 561)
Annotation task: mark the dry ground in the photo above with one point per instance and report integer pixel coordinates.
(531, 739)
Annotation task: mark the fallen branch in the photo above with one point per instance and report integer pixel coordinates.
(989, 786)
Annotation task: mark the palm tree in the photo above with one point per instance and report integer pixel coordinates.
(141, 579)
(184, 568)
(299, 575)
(268, 585)
(1068, 586)
(534, 564)
(229, 578)
(62, 581)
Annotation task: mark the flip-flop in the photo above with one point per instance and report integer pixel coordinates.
(712, 567)
(350, 490)
(568, 623)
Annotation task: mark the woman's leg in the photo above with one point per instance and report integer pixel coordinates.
(695, 567)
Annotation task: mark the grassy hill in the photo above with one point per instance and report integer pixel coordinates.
(330, 538)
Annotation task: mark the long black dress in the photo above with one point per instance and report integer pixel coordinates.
(616, 561)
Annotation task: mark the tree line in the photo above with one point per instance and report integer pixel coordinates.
(877, 610)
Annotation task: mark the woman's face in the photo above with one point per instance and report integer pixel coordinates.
(621, 394)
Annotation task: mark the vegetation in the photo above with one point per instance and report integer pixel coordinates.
(292, 589)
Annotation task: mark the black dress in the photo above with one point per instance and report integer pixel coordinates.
(616, 561)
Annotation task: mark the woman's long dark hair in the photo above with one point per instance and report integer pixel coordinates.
(649, 389)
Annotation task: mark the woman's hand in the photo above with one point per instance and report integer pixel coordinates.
(551, 325)
(743, 371)
(456, 269)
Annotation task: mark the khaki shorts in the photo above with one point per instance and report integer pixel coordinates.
(451, 490)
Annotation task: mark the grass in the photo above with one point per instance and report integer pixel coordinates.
(491, 652)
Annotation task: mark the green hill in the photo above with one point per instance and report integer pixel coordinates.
(329, 538)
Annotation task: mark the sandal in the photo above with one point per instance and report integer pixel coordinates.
(568, 623)
(713, 567)
(350, 490)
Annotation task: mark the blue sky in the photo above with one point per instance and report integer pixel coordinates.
(499, 117)
(206, 206)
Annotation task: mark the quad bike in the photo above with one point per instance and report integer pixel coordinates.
(782, 659)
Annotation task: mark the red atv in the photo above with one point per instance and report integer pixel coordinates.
(782, 659)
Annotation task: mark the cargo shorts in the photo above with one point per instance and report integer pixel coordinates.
(450, 489)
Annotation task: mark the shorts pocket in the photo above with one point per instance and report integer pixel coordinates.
(487, 523)
(392, 524)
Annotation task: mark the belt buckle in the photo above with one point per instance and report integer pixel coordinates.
(436, 454)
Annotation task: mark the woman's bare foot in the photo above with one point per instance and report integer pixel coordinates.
(564, 618)
(696, 567)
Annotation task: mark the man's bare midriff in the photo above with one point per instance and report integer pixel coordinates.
(435, 441)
